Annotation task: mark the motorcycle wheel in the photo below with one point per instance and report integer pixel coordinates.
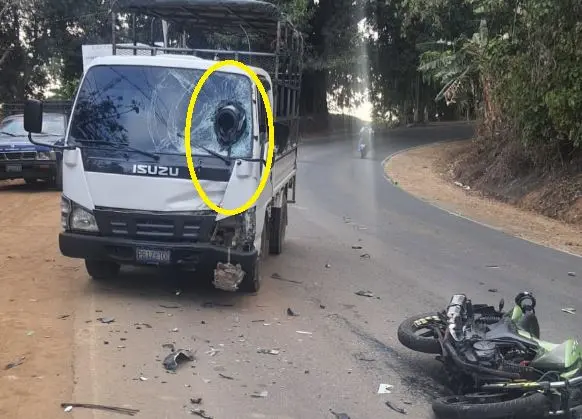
(492, 406)
(419, 338)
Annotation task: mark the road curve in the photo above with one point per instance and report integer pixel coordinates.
(412, 258)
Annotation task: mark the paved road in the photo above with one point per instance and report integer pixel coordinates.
(418, 257)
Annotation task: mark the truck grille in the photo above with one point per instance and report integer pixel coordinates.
(146, 226)
(18, 155)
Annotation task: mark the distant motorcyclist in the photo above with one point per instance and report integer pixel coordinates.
(365, 141)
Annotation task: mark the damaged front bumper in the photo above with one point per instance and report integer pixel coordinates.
(131, 252)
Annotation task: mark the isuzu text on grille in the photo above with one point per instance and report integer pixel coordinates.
(148, 169)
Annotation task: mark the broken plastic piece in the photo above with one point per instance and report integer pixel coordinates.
(385, 388)
(365, 294)
(569, 310)
(172, 360)
(106, 320)
(263, 394)
(201, 413)
(268, 351)
(227, 277)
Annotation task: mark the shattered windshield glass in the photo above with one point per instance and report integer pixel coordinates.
(145, 107)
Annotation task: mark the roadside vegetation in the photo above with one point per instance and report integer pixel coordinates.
(513, 65)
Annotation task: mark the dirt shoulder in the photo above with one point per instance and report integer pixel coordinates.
(36, 306)
(425, 172)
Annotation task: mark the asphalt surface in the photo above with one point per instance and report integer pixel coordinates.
(417, 256)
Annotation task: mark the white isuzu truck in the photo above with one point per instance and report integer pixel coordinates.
(128, 198)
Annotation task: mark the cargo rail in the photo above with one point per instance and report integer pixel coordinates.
(273, 43)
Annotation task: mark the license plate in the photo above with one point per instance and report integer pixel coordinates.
(152, 255)
(14, 168)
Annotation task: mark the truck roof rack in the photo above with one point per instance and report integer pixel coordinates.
(211, 15)
(277, 46)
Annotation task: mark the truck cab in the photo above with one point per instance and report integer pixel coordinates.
(128, 197)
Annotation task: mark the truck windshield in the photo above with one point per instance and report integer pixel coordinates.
(144, 107)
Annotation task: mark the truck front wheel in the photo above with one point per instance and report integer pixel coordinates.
(100, 269)
(252, 279)
(278, 227)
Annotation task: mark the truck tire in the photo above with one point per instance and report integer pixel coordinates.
(252, 280)
(56, 182)
(100, 269)
(279, 220)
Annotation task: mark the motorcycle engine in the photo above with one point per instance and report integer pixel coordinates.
(485, 353)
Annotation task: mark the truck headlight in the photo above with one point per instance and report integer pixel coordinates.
(45, 155)
(83, 220)
(65, 213)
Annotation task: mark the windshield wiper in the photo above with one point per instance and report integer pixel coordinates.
(118, 147)
(215, 154)
(8, 133)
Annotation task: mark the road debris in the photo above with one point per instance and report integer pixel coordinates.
(268, 351)
(175, 329)
(170, 306)
(262, 395)
(280, 278)
(369, 294)
(492, 290)
(356, 247)
(123, 410)
(385, 389)
(63, 316)
(202, 413)
(365, 256)
(106, 320)
(571, 273)
(227, 377)
(291, 313)
(147, 325)
(16, 363)
(339, 415)
(569, 310)
(212, 351)
(227, 277)
(396, 409)
(327, 265)
(142, 378)
(176, 357)
(492, 266)
(169, 346)
(196, 400)
(301, 332)
(210, 304)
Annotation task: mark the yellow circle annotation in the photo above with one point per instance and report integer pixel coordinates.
(271, 137)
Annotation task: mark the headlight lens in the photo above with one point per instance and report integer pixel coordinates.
(45, 155)
(83, 220)
(65, 212)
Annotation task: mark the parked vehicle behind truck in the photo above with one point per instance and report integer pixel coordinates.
(19, 158)
(127, 193)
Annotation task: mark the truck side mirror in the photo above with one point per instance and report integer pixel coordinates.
(33, 116)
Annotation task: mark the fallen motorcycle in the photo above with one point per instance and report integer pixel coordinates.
(496, 364)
